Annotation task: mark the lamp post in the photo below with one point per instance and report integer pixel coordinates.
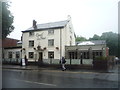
(81, 59)
(70, 58)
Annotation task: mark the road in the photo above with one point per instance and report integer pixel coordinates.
(57, 79)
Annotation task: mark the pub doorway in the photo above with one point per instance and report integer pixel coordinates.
(40, 58)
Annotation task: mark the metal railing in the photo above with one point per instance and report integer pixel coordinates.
(50, 61)
(73, 61)
(11, 60)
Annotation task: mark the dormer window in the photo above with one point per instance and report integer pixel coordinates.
(31, 33)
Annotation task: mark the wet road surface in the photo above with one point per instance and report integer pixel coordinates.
(55, 79)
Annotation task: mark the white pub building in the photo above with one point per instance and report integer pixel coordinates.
(47, 41)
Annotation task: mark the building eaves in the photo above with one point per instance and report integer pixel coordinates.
(15, 47)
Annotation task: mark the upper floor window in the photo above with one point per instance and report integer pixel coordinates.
(71, 37)
(51, 42)
(51, 31)
(31, 43)
(70, 29)
(31, 33)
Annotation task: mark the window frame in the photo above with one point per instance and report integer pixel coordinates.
(50, 31)
(31, 53)
(50, 53)
(31, 33)
(17, 54)
(31, 43)
(50, 42)
(10, 54)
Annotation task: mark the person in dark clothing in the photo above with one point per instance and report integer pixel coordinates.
(63, 61)
(26, 60)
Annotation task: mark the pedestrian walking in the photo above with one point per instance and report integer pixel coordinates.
(63, 61)
(26, 60)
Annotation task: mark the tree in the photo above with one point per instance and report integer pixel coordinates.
(111, 41)
(80, 38)
(119, 45)
(95, 37)
(7, 20)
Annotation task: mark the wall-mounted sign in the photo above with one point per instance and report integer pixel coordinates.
(40, 36)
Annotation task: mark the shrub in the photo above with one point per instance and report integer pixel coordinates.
(111, 58)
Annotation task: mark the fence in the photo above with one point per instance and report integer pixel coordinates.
(73, 61)
(51, 61)
(11, 60)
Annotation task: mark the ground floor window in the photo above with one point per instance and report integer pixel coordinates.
(97, 53)
(50, 54)
(73, 55)
(17, 54)
(85, 55)
(31, 55)
(10, 55)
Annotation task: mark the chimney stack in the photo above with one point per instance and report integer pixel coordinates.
(34, 24)
(69, 18)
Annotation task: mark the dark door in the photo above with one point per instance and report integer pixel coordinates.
(40, 59)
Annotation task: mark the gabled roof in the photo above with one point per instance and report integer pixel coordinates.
(94, 42)
(51, 25)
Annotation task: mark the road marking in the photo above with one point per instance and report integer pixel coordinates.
(36, 82)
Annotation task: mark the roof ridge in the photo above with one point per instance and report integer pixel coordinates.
(54, 22)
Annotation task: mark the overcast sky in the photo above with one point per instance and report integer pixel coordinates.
(89, 17)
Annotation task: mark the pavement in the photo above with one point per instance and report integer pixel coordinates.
(111, 75)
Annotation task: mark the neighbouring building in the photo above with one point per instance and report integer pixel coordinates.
(48, 40)
(11, 50)
(9, 42)
(87, 49)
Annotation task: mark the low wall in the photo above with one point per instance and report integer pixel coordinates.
(73, 61)
(52, 61)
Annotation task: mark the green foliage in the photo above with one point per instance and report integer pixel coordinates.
(119, 45)
(101, 58)
(110, 58)
(111, 41)
(80, 38)
(7, 20)
(95, 37)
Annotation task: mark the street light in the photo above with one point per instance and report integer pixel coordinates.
(81, 59)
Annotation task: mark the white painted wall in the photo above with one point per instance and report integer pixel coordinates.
(6, 51)
(65, 40)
